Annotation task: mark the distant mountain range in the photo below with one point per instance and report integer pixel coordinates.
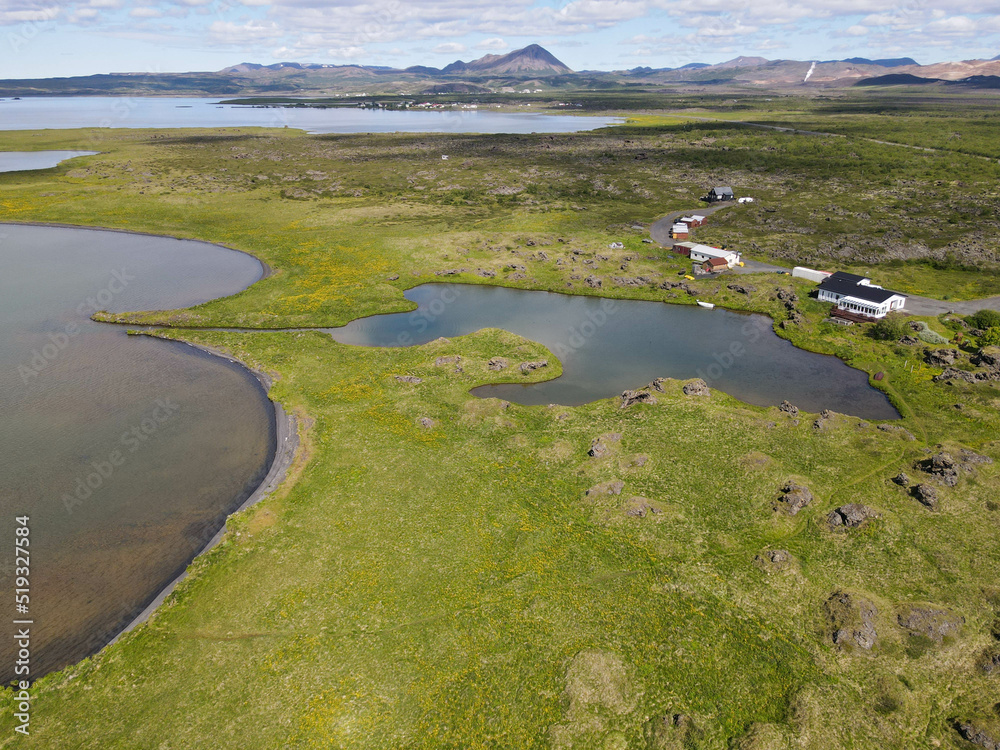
(532, 69)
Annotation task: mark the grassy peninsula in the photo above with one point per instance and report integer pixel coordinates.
(445, 571)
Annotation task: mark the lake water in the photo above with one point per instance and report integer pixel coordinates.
(20, 161)
(37, 113)
(607, 346)
(126, 452)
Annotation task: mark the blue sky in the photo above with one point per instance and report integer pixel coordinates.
(40, 38)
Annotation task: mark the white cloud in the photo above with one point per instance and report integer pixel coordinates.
(769, 44)
(856, 30)
(145, 12)
(955, 25)
(496, 44)
(249, 33)
(28, 12)
(352, 54)
(449, 48)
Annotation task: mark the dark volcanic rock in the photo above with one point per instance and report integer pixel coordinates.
(942, 467)
(905, 433)
(851, 516)
(852, 619)
(742, 288)
(927, 495)
(941, 357)
(593, 282)
(975, 734)
(599, 445)
(426, 422)
(969, 459)
(497, 363)
(409, 379)
(988, 356)
(901, 479)
(989, 661)
(529, 366)
(931, 622)
(789, 409)
(697, 387)
(795, 497)
(774, 560)
(637, 397)
(631, 281)
(909, 341)
(614, 487)
(638, 507)
(453, 359)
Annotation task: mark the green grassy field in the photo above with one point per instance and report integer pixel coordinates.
(456, 585)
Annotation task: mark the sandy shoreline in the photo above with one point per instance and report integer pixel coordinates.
(286, 448)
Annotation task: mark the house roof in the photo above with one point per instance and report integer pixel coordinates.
(717, 262)
(844, 276)
(711, 252)
(723, 189)
(859, 291)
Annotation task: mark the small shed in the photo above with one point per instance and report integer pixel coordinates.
(714, 265)
(801, 272)
(679, 231)
(720, 193)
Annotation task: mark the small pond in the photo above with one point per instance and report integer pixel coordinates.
(606, 346)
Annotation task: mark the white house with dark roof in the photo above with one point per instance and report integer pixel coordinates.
(856, 294)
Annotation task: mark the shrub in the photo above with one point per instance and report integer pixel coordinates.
(985, 319)
(890, 328)
(931, 337)
(991, 337)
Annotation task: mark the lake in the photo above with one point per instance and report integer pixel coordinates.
(607, 346)
(37, 113)
(126, 452)
(21, 161)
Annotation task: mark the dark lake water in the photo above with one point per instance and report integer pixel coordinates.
(606, 346)
(126, 452)
(19, 161)
(36, 113)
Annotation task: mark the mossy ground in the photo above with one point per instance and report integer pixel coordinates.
(455, 586)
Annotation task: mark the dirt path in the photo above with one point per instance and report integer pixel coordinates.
(660, 231)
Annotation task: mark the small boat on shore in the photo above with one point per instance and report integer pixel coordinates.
(709, 305)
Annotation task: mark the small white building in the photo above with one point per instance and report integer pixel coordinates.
(801, 272)
(702, 253)
(856, 294)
